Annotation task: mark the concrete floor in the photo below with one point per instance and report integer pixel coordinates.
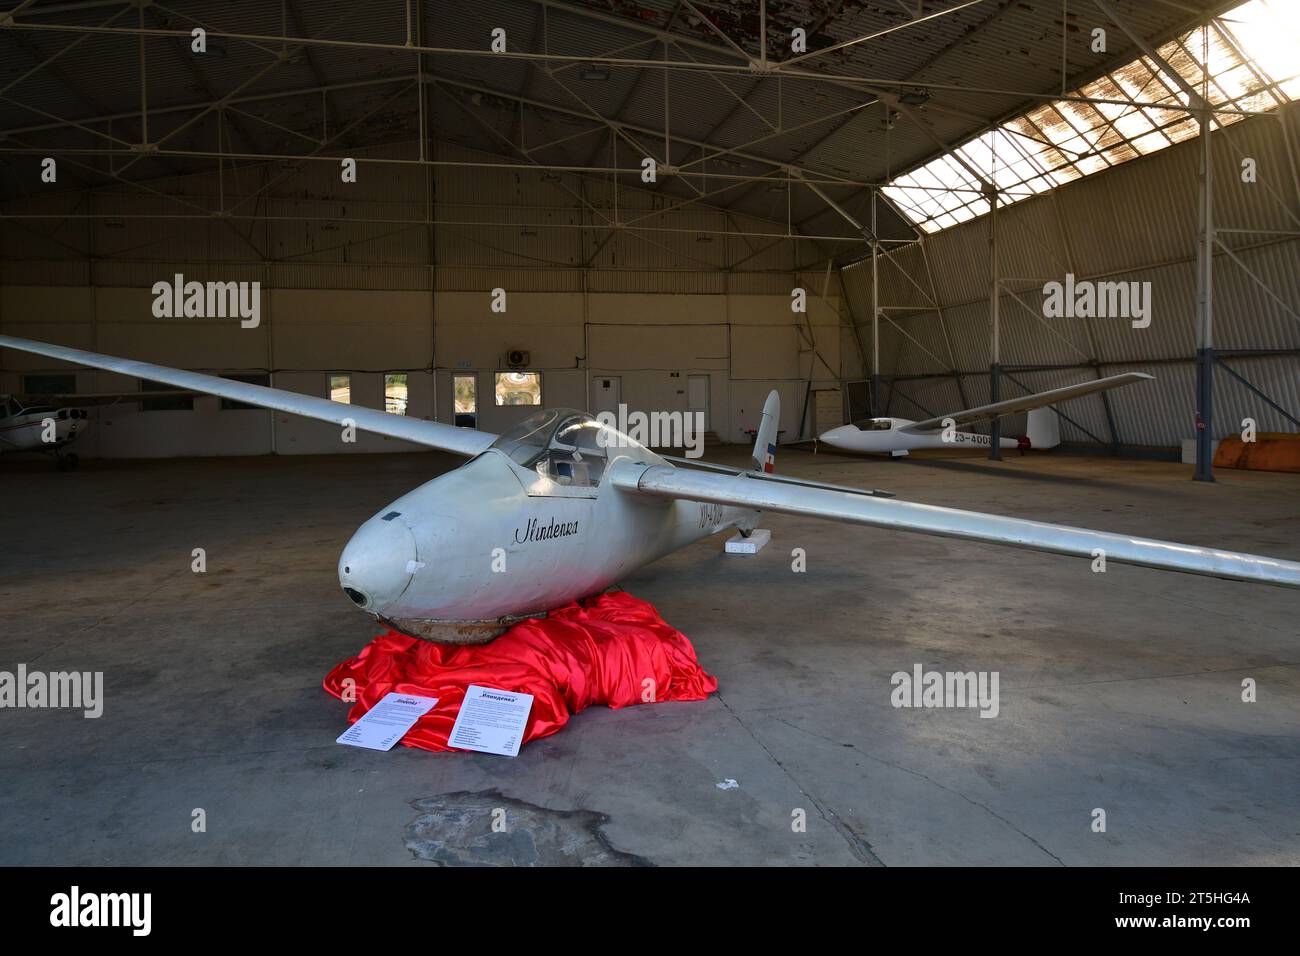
(1118, 691)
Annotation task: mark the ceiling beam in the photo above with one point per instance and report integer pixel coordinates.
(783, 68)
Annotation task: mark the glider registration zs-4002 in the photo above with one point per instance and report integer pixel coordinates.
(571, 505)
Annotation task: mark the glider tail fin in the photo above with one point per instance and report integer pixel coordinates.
(765, 439)
(1043, 428)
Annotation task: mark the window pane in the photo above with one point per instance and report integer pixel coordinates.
(466, 394)
(341, 389)
(395, 393)
(519, 388)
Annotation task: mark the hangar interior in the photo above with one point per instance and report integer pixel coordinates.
(621, 205)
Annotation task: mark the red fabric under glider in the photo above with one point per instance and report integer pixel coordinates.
(612, 649)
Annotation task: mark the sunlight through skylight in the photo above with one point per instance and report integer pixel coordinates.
(1249, 56)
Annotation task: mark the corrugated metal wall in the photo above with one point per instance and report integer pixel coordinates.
(1135, 223)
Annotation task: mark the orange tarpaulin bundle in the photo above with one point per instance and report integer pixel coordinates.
(612, 649)
(1270, 451)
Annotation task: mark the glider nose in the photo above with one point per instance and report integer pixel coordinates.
(836, 436)
(377, 564)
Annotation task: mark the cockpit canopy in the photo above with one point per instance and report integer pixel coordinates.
(10, 406)
(569, 447)
(874, 424)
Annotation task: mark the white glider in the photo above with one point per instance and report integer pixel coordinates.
(562, 506)
(898, 436)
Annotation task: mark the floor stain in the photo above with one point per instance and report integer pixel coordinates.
(485, 828)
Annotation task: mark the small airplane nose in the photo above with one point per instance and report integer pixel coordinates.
(836, 435)
(377, 564)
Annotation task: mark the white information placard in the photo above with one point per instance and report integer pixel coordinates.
(387, 722)
(491, 721)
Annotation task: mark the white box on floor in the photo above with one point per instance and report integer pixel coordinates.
(1189, 450)
(739, 544)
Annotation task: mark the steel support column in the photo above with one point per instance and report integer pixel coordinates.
(875, 329)
(1205, 306)
(875, 311)
(995, 345)
(1204, 415)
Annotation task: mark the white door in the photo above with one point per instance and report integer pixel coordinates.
(606, 393)
(697, 397)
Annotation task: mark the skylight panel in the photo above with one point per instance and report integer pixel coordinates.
(1246, 61)
(1269, 33)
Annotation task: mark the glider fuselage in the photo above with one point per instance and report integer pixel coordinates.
(883, 435)
(463, 556)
